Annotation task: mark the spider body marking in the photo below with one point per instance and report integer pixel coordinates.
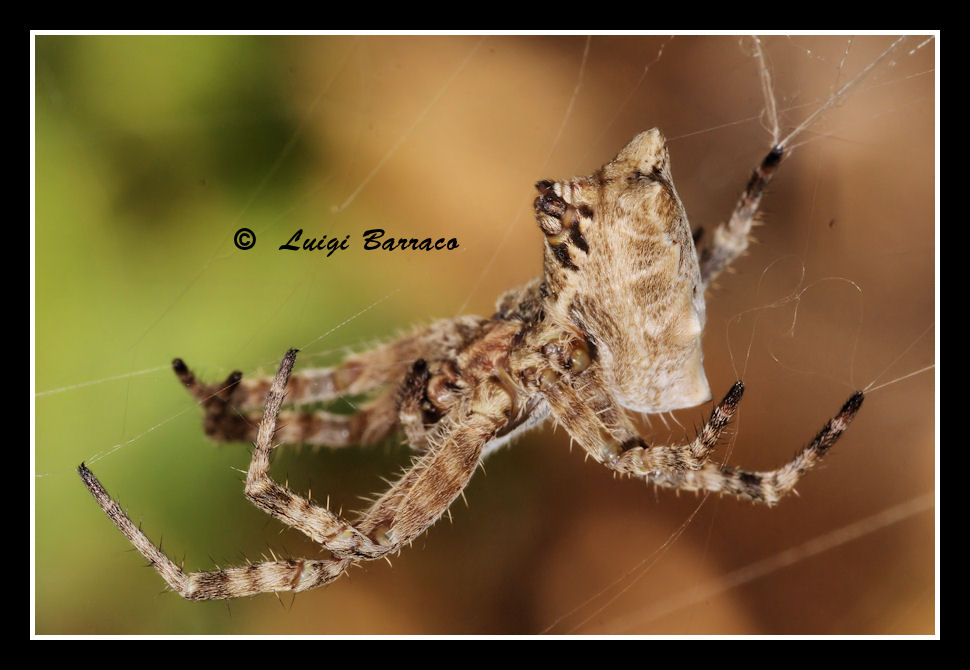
(614, 324)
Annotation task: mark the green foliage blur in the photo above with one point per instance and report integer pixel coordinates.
(150, 153)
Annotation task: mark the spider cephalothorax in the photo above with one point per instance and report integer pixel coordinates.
(615, 323)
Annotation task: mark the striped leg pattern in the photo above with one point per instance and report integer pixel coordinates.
(605, 433)
(411, 506)
(603, 429)
(730, 240)
(765, 487)
(283, 575)
(232, 407)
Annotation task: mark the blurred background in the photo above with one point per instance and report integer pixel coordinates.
(152, 151)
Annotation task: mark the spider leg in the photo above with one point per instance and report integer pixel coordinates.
(765, 487)
(281, 575)
(730, 240)
(438, 477)
(603, 429)
(358, 374)
(413, 504)
(232, 406)
(373, 421)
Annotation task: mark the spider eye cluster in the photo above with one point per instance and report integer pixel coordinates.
(560, 221)
(550, 208)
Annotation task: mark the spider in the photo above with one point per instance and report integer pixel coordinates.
(613, 324)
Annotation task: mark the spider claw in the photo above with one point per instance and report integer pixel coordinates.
(180, 367)
(851, 406)
(733, 396)
(188, 379)
(286, 366)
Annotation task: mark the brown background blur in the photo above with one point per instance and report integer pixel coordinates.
(153, 151)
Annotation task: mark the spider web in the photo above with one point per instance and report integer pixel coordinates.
(151, 152)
